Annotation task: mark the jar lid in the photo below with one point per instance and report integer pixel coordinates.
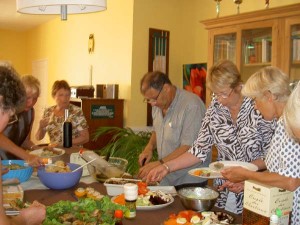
(130, 187)
(274, 219)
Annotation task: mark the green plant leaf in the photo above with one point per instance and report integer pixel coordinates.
(125, 143)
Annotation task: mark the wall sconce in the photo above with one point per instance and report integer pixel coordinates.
(62, 7)
(91, 44)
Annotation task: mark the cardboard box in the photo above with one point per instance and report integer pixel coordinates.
(263, 200)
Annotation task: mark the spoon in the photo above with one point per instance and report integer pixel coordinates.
(84, 165)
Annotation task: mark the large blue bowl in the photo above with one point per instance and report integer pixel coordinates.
(21, 174)
(59, 181)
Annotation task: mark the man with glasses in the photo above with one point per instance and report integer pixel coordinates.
(177, 117)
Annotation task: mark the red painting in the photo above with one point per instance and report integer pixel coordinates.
(194, 76)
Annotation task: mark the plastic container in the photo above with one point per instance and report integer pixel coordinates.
(21, 174)
(131, 194)
(274, 220)
(101, 164)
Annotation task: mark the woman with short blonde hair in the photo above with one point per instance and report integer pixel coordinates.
(222, 74)
(267, 79)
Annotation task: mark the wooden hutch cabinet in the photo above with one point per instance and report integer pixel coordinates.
(101, 112)
(257, 39)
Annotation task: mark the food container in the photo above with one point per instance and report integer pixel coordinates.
(198, 198)
(261, 201)
(115, 168)
(22, 174)
(115, 186)
(11, 193)
(59, 181)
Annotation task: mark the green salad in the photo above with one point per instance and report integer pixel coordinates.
(84, 211)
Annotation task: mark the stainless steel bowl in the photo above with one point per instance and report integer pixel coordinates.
(198, 198)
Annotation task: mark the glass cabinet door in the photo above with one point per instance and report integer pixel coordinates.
(256, 50)
(295, 53)
(225, 47)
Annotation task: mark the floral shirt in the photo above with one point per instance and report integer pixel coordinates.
(55, 126)
(246, 140)
(283, 158)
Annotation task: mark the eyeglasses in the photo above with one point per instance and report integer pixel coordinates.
(152, 100)
(222, 95)
(12, 119)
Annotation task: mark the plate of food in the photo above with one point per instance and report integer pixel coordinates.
(217, 166)
(48, 152)
(152, 200)
(205, 172)
(192, 217)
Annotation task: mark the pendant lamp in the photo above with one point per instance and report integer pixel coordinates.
(62, 7)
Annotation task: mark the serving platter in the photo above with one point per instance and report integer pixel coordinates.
(207, 217)
(204, 172)
(217, 166)
(155, 207)
(151, 207)
(42, 152)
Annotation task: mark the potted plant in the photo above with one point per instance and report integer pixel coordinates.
(125, 143)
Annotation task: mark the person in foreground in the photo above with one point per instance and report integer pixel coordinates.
(19, 130)
(8, 85)
(10, 101)
(177, 116)
(233, 125)
(54, 117)
(283, 156)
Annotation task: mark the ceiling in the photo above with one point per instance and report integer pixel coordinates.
(10, 19)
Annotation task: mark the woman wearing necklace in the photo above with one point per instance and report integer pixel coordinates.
(233, 126)
(54, 117)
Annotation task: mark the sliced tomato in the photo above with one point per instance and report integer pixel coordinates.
(141, 184)
(143, 191)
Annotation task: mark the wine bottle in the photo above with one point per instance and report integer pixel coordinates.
(67, 131)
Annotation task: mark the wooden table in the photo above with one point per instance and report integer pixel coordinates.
(153, 217)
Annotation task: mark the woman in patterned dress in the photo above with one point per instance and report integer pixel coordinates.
(283, 156)
(54, 116)
(233, 126)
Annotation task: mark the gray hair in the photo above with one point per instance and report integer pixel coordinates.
(32, 83)
(291, 112)
(12, 91)
(154, 80)
(268, 79)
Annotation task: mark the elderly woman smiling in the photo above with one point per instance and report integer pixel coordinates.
(269, 87)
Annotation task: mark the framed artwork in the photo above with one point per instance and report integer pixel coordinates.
(194, 76)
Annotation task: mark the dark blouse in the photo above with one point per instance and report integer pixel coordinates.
(18, 131)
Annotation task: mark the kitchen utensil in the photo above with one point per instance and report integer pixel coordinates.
(83, 165)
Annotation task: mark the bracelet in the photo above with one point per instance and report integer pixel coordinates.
(161, 161)
(167, 167)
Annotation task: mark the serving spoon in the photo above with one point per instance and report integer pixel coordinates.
(83, 165)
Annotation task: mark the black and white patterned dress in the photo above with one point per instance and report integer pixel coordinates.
(246, 140)
(283, 158)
